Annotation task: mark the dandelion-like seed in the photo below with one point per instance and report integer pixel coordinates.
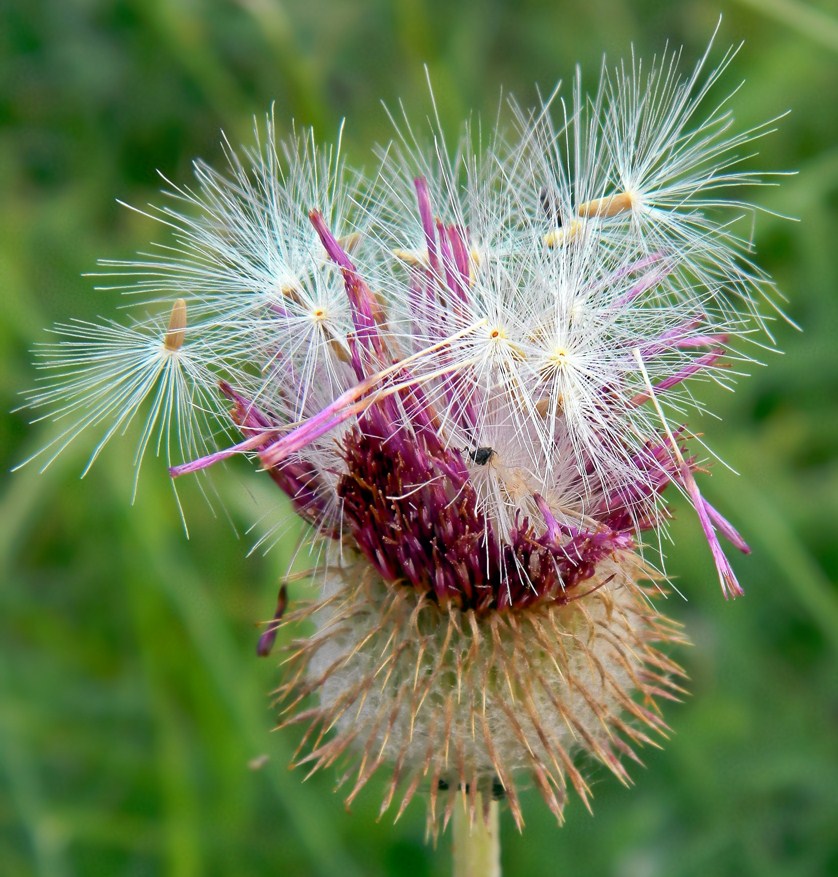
(471, 377)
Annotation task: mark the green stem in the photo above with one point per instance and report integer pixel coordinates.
(477, 845)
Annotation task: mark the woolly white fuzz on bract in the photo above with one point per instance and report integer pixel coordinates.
(459, 702)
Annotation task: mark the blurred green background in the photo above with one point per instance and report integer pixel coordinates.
(131, 701)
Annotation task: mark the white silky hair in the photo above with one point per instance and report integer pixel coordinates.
(563, 288)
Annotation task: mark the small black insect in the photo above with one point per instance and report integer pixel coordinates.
(549, 206)
(481, 456)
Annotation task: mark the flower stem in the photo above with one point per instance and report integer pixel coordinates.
(477, 843)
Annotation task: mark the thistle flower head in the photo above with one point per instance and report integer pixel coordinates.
(471, 378)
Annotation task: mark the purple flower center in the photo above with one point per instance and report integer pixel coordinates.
(412, 509)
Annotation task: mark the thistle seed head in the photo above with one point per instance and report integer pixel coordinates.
(462, 375)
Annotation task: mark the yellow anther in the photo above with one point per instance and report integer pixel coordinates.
(474, 259)
(291, 291)
(558, 236)
(414, 258)
(547, 405)
(349, 242)
(603, 208)
(339, 350)
(176, 333)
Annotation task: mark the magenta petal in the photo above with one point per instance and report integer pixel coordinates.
(727, 578)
